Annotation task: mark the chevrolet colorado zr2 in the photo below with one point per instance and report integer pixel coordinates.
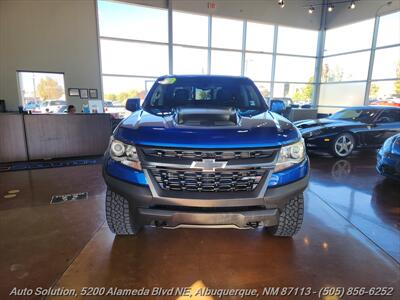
(205, 151)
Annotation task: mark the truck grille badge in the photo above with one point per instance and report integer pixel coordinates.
(208, 165)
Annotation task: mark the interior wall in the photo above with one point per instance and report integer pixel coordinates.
(365, 9)
(47, 35)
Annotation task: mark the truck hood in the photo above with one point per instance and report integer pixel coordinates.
(265, 129)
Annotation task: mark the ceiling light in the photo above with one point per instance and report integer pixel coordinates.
(281, 3)
(330, 7)
(352, 5)
(311, 10)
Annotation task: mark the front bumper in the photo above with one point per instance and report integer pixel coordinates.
(216, 211)
(388, 165)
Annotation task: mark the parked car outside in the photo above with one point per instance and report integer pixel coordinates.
(351, 128)
(117, 110)
(205, 151)
(51, 106)
(33, 107)
(388, 158)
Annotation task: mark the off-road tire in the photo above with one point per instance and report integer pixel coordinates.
(290, 219)
(118, 215)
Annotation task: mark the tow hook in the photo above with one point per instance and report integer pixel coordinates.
(160, 223)
(253, 224)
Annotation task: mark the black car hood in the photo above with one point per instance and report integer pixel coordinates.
(325, 122)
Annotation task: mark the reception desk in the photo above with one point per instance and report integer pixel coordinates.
(12, 138)
(49, 136)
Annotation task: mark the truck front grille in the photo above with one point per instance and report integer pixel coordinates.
(207, 154)
(219, 181)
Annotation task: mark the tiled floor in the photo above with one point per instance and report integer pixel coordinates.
(350, 237)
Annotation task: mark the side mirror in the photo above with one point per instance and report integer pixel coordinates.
(133, 104)
(277, 106)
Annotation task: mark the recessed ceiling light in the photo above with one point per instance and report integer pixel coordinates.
(330, 7)
(281, 3)
(311, 9)
(352, 5)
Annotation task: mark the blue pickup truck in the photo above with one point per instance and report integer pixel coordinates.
(205, 151)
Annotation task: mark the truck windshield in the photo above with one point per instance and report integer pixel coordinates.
(171, 92)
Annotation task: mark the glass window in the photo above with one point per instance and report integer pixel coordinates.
(389, 116)
(130, 58)
(385, 92)
(389, 30)
(258, 66)
(227, 33)
(299, 93)
(294, 69)
(351, 37)
(297, 41)
(118, 89)
(196, 34)
(42, 92)
(387, 63)
(342, 94)
(264, 88)
(190, 60)
(225, 62)
(132, 21)
(345, 67)
(259, 37)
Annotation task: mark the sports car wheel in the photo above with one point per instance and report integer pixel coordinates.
(343, 145)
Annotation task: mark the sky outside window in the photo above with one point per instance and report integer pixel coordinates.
(124, 20)
(131, 58)
(351, 37)
(190, 29)
(227, 33)
(389, 30)
(297, 41)
(190, 60)
(259, 37)
(294, 69)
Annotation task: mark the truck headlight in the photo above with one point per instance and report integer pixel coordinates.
(125, 154)
(290, 155)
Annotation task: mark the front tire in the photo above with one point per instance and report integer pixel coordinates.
(119, 217)
(290, 219)
(343, 145)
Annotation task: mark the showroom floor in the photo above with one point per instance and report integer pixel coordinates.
(350, 237)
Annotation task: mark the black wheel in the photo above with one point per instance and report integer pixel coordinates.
(290, 219)
(119, 217)
(343, 145)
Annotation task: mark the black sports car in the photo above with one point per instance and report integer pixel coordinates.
(351, 128)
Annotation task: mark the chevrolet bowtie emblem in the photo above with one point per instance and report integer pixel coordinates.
(208, 165)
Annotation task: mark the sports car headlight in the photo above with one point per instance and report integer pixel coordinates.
(125, 154)
(290, 155)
